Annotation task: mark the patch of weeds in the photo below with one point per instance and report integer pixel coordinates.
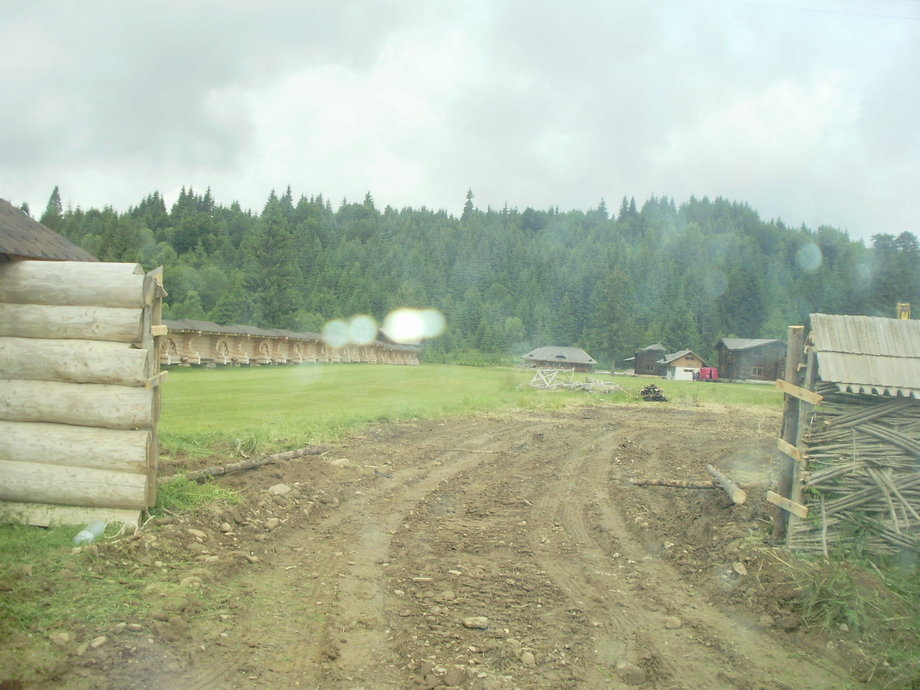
(878, 600)
(249, 446)
(193, 445)
(182, 495)
(841, 593)
(48, 586)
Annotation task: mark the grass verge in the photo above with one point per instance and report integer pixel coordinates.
(279, 408)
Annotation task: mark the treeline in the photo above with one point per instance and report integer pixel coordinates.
(506, 280)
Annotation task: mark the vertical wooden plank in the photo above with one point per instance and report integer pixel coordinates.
(155, 314)
(799, 468)
(795, 347)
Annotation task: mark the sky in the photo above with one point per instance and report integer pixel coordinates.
(807, 110)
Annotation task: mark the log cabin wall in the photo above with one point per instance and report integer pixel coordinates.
(79, 390)
(763, 362)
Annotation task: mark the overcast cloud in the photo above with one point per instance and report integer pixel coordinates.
(808, 110)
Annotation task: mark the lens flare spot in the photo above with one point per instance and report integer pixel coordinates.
(434, 322)
(335, 333)
(362, 330)
(413, 325)
(809, 257)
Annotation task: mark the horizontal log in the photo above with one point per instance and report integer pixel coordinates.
(75, 361)
(247, 464)
(73, 486)
(789, 449)
(735, 492)
(675, 483)
(83, 404)
(156, 380)
(80, 323)
(78, 446)
(799, 392)
(786, 504)
(47, 515)
(75, 283)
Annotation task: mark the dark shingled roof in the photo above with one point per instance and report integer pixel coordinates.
(569, 355)
(747, 343)
(677, 355)
(23, 237)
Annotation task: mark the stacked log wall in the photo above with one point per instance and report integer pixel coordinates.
(79, 395)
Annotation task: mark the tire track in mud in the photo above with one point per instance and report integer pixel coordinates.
(525, 518)
(334, 629)
(635, 597)
(363, 591)
(485, 562)
(592, 581)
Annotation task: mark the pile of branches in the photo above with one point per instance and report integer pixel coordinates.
(652, 393)
(564, 379)
(863, 475)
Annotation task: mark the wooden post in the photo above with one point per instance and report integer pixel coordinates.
(153, 315)
(798, 468)
(790, 432)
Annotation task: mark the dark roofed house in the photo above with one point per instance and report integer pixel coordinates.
(751, 359)
(23, 238)
(552, 357)
(649, 361)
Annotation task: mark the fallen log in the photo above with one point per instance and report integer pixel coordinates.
(735, 492)
(247, 464)
(674, 483)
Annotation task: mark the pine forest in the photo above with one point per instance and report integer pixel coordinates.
(610, 281)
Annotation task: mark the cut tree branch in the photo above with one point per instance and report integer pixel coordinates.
(232, 467)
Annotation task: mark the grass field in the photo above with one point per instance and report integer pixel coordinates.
(276, 408)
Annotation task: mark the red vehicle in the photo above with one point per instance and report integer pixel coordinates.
(707, 374)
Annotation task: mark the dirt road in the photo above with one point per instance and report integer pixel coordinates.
(501, 551)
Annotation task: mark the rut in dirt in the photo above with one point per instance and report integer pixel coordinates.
(526, 520)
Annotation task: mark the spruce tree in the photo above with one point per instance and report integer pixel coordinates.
(54, 211)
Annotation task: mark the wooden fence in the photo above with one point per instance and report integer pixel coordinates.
(863, 479)
(79, 390)
(851, 474)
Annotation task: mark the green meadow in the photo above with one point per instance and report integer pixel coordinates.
(276, 408)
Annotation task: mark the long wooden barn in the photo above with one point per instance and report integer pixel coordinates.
(201, 343)
(852, 435)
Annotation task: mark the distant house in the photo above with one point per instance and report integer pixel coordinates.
(649, 361)
(751, 359)
(682, 365)
(24, 238)
(553, 357)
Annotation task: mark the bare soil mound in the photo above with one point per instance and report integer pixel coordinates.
(505, 550)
